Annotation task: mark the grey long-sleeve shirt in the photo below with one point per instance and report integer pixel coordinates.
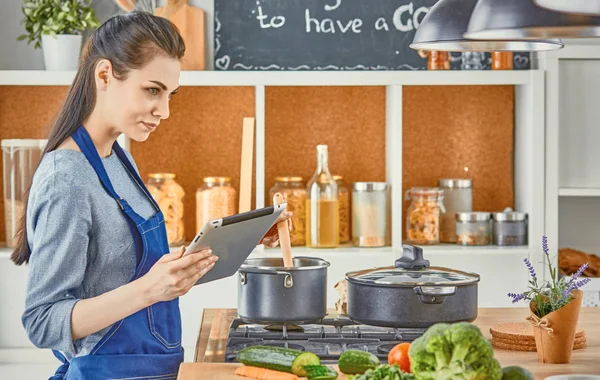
(81, 244)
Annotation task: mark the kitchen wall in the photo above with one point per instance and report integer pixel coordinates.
(17, 55)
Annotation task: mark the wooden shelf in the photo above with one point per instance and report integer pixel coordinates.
(579, 192)
(296, 78)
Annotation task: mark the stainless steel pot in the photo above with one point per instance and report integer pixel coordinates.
(411, 294)
(269, 293)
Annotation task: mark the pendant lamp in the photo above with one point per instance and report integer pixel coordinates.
(586, 7)
(443, 27)
(522, 19)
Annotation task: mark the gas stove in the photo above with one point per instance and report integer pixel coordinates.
(328, 339)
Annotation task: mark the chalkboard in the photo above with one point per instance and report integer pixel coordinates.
(323, 35)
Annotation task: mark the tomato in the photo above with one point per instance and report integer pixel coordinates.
(399, 355)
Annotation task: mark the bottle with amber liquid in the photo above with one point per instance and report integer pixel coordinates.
(322, 206)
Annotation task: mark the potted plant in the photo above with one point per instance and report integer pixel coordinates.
(57, 26)
(554, 310)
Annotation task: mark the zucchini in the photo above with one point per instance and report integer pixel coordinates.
(320, 372)
(357, 362)
(278, 359)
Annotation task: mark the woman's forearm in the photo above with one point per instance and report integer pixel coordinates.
(94, 314)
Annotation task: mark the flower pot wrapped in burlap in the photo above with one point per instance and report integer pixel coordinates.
(555, 332)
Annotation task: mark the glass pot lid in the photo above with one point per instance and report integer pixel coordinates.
(412, 270)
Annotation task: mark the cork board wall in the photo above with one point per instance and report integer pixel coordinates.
(460, 132)
(201, 138)
(349, 120)
(26, 112)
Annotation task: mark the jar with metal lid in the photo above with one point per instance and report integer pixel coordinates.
(369, 214)
(473, 228)
(509, 228)
(215, 199)
(458, 197)
(293, 190)
(344, 198)
(423, 215)
(169, 196)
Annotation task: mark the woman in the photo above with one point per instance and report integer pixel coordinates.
(103, 288)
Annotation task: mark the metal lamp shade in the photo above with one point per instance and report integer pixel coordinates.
(522, 19)
(443, 27)
(586, 7)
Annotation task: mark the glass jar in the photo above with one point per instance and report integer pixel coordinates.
(293, 191)
(509, 228)
(215, 199)
(502, 60)
(473, 228)
(438, 60)
(322, 206)
(472, 60)
(370, 214)
(423, 215)
(344, 197)
(169, 196)
(458, 197)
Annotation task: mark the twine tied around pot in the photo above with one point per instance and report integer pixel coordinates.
(542, 323)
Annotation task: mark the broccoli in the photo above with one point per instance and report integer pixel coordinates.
(453, 351)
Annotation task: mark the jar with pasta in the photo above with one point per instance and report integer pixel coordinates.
(215, 199)
(293, 191)
(423, 215)
(344, 198)
(169, 196)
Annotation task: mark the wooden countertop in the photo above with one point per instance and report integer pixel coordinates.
(212, 340)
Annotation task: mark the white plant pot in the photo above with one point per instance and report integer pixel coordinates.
(61, 53)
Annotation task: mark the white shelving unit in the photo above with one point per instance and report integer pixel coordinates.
(572, 138)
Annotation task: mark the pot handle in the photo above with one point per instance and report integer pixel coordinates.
(288, 280)
(412, 258)
(434, 294)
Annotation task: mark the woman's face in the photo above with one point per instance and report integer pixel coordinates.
(136, 105)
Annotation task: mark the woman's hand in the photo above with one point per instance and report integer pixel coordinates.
(174, 274)
(271, 238)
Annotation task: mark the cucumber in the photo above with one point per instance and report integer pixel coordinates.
(320, 372)
(278, 359)
(357, 362)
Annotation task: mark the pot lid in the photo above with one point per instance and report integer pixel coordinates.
(412, 270)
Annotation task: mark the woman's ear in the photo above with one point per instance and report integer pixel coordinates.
(103, 74)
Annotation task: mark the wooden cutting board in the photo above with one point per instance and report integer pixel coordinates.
(216, 371)
(190, 21)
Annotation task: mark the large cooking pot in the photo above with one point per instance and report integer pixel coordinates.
(411, 294)
(269, 293)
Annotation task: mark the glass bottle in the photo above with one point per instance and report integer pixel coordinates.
(169, 196)
(344, 198)
(322, 206)
(502, 60)
(293, 190)
(438, 60)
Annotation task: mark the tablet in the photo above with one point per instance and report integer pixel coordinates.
(233, 238)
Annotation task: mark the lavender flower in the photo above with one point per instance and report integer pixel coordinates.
(579, 272)
(516, 297)
(545, 245)
(530, 267)
(575, 286)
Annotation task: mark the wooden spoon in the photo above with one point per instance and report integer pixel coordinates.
(171, 7)
(126, 5)
(284, 236)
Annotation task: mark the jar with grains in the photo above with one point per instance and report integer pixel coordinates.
(473, 228)
(509, 228)
(344, 197)
(458, 197)
(215, 199)
(293, 191)
(423, 215)
(169, 196)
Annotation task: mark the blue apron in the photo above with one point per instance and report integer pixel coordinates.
(147, 344)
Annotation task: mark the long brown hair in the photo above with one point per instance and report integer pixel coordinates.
(129, 42)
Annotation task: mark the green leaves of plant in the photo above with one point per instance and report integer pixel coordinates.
(52, 17)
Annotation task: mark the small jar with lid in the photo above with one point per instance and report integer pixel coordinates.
(293, 191)
(169, 196)
(344, 199)
(458, 197)
(370, 214)
(423, 215)
(509, 228)
(215, 199)
(473, 228)
(502, 60)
